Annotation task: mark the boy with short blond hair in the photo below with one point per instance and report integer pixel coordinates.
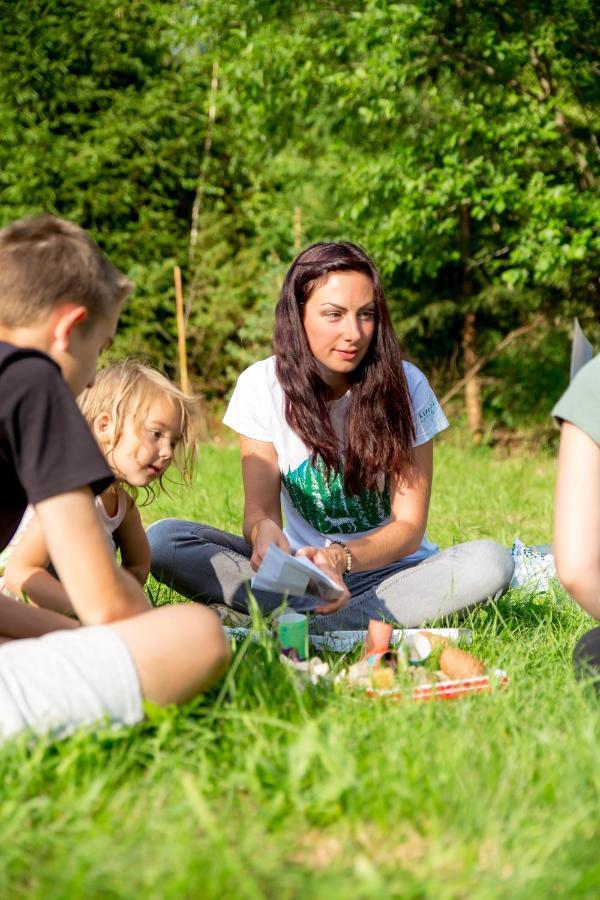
(60, 300)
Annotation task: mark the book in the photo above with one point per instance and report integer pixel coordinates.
(281, 573)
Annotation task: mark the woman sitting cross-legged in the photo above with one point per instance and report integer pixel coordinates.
(336, 436)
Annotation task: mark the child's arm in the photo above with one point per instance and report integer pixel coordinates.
(131, 540)
(27, 572)
(99, 590)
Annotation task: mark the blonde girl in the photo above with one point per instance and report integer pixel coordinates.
(143, 424)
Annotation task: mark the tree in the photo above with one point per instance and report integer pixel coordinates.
(459, 144)
(101, 121)
(456, 142)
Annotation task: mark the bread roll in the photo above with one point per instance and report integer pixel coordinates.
(460, 664)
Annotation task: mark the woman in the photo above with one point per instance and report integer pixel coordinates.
(576, 542)
(335, 433)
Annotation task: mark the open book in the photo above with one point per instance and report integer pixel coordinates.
(281, 573)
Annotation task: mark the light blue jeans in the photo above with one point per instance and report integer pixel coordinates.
(212, 566)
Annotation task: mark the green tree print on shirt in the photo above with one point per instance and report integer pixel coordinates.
(326, 506)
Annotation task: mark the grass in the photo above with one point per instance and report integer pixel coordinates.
(266, 789)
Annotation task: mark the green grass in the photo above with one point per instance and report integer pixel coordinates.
(265, 789)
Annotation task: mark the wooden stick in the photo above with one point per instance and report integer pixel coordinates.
(183, 372)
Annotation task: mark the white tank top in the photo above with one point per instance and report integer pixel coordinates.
(111, 523)
(109, 526)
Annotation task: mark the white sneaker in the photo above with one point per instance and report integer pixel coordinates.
(231, 617)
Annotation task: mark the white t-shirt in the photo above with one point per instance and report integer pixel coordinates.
(317, 511)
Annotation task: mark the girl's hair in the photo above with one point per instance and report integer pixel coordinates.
(127, 389)
(379, 429)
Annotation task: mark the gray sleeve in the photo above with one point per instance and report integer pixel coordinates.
(580, 404)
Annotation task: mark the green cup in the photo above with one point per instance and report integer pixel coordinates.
(292, 632)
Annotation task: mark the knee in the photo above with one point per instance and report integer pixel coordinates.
(495, 565)
(178, 650)
(207, 642)
(586, 656)
(163, 537)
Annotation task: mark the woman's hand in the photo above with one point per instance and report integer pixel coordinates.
(262, 508)
(332, 560)
(264, 533)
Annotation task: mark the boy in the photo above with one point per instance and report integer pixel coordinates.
(60, 300)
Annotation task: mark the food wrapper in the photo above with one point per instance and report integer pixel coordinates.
(444, 690)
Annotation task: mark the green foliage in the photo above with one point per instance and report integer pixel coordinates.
(525, 381)
(102, 121)
(456, 142)
(459, 145)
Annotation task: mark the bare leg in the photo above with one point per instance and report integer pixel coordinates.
(178, 651)
(20, 621)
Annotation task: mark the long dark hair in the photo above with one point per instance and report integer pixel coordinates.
(379, 427)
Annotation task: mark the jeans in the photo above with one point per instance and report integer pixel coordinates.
(212, 566)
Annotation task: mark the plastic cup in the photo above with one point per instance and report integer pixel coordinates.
(292, 632)
(419, 649)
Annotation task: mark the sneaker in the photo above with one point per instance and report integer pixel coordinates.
(231, 617)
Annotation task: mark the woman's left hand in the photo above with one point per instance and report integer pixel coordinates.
(333, 563)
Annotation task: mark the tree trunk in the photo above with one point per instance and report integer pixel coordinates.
(472, 386)
(469, 339)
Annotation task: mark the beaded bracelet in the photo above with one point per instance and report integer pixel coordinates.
(345, 547)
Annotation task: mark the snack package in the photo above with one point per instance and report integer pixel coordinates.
(426, 667)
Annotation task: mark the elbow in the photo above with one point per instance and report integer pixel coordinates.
(133, 605)
(102, 617)
(140, 573)
(414, 542)
(571, 584)
(570, 569)
(568, 575)
(109, 614)
(125, 606)
(414, 545)
(582, 583)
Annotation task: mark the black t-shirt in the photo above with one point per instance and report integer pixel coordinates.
(46, 447)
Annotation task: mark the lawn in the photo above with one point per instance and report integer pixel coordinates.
(265, 789)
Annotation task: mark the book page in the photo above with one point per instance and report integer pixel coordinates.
(280, 573)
